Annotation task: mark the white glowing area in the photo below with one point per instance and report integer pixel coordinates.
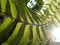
(56, 34)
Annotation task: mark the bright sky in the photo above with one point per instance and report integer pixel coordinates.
(56, 34)
(31, 4)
